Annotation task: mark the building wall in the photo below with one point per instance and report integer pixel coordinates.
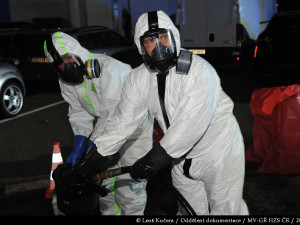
(87, 12)
(26, 10)
(109, 12)
(138, 7)
(4, 11)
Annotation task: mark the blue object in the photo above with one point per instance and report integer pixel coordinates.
(78, 149)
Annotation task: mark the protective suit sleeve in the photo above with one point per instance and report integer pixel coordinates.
(110, 102)
(104, 117)
(156, 159)
(78, 149)
(109, 89)
(80, 119)
(127, 118)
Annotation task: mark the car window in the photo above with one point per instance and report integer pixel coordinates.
(101, 40)
(117, 40)
(94, 41)
(31, 44)
(6, 46)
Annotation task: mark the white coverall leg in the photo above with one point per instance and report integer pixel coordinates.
(197, 201)
(211, 179)
(125, 197)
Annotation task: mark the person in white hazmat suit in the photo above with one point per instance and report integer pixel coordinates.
(92, 85)
(201, 135)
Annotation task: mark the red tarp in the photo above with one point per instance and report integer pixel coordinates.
(276, 130)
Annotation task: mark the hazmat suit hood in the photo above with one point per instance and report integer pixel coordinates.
(164, 21)
(70, 60)
(64, 44)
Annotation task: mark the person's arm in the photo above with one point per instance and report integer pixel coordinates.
(128, 115)
(109, 89)
(156, 159)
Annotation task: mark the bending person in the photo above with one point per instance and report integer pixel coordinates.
(92, 85)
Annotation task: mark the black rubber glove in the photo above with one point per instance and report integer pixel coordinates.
(156, 159)
(94, 163)
(74, 181)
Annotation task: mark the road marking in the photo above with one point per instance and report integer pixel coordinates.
(26, 186)
(29, 186)
(33, 111)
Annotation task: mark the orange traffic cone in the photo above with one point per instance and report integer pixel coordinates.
(56, 160)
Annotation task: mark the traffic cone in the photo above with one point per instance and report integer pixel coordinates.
(56, 160)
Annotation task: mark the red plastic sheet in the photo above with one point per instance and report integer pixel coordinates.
(276, 130)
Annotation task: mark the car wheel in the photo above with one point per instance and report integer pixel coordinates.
(11, 99)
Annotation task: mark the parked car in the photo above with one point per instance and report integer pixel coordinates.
(27, 47)
(12, 90)
(99, 39)
(277, 48)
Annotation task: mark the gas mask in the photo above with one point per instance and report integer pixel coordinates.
(158, 46)
(70, 67)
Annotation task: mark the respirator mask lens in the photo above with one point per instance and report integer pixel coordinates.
(158, 46)
(159, 50)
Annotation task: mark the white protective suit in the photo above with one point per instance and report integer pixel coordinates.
(201, 123)
(98, 97)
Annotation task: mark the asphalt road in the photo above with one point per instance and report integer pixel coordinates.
(26, 147)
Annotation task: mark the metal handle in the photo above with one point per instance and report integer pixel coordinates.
(111, 173)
